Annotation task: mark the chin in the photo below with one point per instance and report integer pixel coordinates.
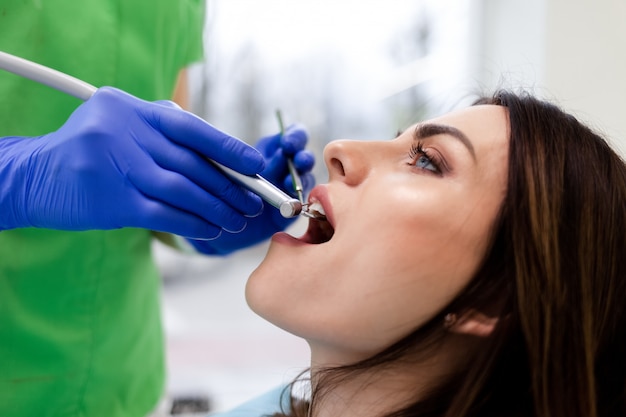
(261, 290)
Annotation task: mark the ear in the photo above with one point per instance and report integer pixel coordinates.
(473, 323)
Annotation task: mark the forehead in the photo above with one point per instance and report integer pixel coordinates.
(484, 125)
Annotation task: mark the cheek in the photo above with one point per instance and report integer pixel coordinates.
(423, 261)
(411, 263)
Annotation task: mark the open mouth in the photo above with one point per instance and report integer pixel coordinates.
(320, 230)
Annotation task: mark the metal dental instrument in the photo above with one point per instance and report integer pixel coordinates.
(295, 177)
(288, 206)
(296, 180)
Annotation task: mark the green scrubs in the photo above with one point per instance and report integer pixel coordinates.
(80, 330)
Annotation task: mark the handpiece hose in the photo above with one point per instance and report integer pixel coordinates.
(288, 206)
(47, 76)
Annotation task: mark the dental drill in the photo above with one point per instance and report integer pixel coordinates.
(287, 205)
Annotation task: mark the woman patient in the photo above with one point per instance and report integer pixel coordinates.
(472, 266)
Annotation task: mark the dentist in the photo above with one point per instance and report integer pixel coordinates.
(84, 188)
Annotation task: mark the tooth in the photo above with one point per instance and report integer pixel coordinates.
(316, 206)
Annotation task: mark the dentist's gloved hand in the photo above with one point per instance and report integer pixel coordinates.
(119, 161)
(276, 149)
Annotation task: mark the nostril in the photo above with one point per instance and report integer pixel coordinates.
(338, 166)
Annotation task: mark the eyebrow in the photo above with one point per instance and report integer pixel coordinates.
(426, 130)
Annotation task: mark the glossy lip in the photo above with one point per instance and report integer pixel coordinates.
(320, 194)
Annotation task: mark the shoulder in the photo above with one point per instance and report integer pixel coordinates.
(263, 405)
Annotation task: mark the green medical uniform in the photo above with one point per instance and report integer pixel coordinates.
(80, 330)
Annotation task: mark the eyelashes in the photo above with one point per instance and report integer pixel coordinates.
(423, 159)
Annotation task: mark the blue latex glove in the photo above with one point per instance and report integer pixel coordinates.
(276, 149)
(119, 161)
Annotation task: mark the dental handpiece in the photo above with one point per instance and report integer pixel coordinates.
(288, 206)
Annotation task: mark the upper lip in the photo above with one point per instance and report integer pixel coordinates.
(320, 194)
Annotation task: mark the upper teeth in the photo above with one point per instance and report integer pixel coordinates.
(316, 206)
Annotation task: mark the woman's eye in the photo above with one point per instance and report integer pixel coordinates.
(422, 160)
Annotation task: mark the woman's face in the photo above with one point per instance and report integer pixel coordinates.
(412, 219)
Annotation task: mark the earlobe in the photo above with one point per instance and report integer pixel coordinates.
(471, 322)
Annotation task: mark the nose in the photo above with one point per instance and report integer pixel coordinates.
(347, 161)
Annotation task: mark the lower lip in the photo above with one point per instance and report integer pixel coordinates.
(286, 239)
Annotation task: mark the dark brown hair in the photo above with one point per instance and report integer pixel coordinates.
(555, 275)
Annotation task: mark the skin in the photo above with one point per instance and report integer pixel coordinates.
(408, 237)
(181, 90)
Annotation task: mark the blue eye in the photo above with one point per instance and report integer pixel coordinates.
(422, 160)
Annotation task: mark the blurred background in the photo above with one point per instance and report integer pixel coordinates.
(360, 70)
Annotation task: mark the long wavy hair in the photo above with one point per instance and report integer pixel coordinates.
(555, 275)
